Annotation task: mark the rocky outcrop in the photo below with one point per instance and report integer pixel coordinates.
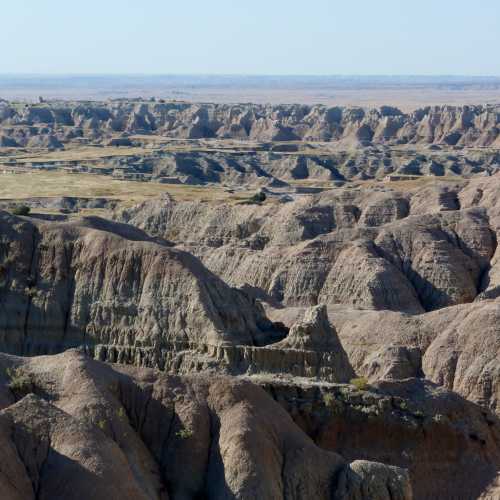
(95, 282)
(135, 433)
(372, 247)
(447, 125)
(360, 277)
(128, 298)
(94, 430)
(457, 347)
(311, 349)
(313, 333)
(392, 362)
(449, 446)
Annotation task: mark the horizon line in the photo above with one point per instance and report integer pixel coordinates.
(257, 75)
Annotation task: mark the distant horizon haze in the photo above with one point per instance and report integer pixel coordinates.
(405, 92)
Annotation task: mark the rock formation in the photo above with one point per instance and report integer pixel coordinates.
(96, 282)
(431, 248)
(367, 247)
(446, 125)
(126, 297)
(321, 339)
(96, 431)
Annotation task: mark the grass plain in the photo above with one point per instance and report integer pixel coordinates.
(23, 185)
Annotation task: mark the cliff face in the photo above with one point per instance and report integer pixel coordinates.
(49, 124)
(457, 347)
(98, 282)
(358, 309)
(126, 297)
(410, 278)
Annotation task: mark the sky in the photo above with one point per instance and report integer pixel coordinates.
(251, 37)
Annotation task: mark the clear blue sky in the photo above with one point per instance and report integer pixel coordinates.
(320, 37)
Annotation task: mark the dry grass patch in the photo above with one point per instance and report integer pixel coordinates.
(81, 153)
(55, 184)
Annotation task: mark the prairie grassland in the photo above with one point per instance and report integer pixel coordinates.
(54, 184)
(81, 153)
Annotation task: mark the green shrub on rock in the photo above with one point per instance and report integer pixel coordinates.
(20, 382)
(21, 210)
(361, 383)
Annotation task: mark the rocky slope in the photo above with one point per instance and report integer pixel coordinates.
(365, 252)
(51, 124)
(414, 250)
(368, 313)
(251, 144)
(93, 431)
(318, 164)
(457, 347)
(127, 297)
(431, 432)
(121, 432)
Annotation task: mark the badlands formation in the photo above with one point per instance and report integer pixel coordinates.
(334, 334)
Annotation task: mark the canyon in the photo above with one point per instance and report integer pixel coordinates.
(249, 301)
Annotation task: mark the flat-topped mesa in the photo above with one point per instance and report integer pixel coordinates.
(448, 125)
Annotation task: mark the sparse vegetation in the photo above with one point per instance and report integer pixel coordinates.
(361, 383)
(256, 199)
(101, 424)
(31, 291)
(328, 399)
(21, 210)
(20, 382)
(259, 197)
(184, 433)
(20, 186)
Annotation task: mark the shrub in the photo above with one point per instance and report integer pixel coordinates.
(256, 199)
(31, 292)
(361, 383)
(184, 433)
(328, 399)
(20, 382)
(21, 210)
(259, 197)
